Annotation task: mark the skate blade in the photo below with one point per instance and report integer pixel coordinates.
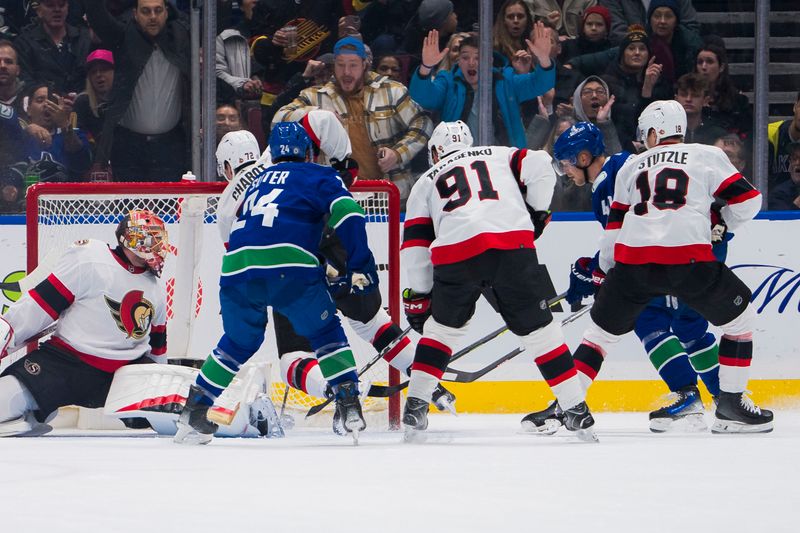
(730, 426)
(414, 436)
(586, 435)
(550, 427)
(188, 436)
(354, 434)
(688, 424)
(287, 422)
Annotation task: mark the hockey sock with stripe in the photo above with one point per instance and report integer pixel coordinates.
(430, 362)
(337, 363)
(558, 370)
(670, 360)
(217, 373)
(735, 355)
(588, 359)
(300, 370)
(704, 357)
(402, 354)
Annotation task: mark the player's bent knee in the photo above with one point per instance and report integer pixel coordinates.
(597, 335)
(742, 324)
(544, 339)
(447, 335)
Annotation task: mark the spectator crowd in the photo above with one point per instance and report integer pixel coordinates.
(99, 90)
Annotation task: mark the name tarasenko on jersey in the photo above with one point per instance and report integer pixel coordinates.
(466, 153)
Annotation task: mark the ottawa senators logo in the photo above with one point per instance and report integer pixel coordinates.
(133, 314)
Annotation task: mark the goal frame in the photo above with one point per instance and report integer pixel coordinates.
(38, 190)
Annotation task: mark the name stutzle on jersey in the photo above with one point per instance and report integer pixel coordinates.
(109, 312)
(439, 231)
(662, 205)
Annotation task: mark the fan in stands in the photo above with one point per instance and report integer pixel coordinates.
(111, 312)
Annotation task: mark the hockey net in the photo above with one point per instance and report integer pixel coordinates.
(59, 214)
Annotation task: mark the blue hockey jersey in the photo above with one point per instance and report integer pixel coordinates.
(280, 222)
(603, 186)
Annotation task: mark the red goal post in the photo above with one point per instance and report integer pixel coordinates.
(57, 214)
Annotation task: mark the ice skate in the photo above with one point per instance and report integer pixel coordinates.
(545, 422)
(265, 418)
(415, 419)
(736, 413)
(348, 407)
(579, 420)
(444, 400)
(685, 409)
(193, 426)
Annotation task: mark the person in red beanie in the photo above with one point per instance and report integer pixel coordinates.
(593, 36)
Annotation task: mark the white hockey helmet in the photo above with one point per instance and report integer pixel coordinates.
(447, 138)
(666, 117)
(237, 148)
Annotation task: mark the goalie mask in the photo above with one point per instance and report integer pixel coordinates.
(448, 138)
(144, 234)
(237, 148)
(666, 117)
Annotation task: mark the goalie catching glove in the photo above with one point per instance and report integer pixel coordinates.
(417, 307)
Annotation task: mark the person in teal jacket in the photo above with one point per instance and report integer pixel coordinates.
(452, 93)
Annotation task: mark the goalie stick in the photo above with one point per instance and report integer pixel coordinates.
(454, 375)
(319, 407)
(24, 346)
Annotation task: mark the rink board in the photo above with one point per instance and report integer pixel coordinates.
(762, 254)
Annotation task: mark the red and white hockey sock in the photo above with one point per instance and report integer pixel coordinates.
(588, 359)
(300, 370)
(401, 355)
(555, 363)
(380, 331)
(735, 355)
(429, 365)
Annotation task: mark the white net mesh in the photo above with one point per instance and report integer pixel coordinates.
(191, 271)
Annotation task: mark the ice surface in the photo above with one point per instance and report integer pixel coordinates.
(475, 473)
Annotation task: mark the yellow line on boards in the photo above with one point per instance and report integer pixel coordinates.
(641, 395)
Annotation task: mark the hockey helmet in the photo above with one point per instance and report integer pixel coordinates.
(289, 140)
(448, 138)
(237, 148)
(144, 234)
(666, 117)
(582, 136)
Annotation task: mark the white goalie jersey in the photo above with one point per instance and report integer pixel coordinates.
(470, 202)
(109, 312)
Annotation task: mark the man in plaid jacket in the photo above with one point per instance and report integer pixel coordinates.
(386, 127)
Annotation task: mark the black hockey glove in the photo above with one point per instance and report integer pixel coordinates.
(347, 169)
(417, 307)
(540, 220)
(719, 228)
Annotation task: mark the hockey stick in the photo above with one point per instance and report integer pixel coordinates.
(319, 407)
(462, 376)
(496, 333)
(24, 346)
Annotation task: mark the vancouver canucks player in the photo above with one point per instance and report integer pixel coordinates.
(272, 260)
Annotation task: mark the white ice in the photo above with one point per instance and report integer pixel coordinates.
(475, 473)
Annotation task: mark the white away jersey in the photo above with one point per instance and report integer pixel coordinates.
(233, 195)
(471, 202)
(661, 211)
(109, 312)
